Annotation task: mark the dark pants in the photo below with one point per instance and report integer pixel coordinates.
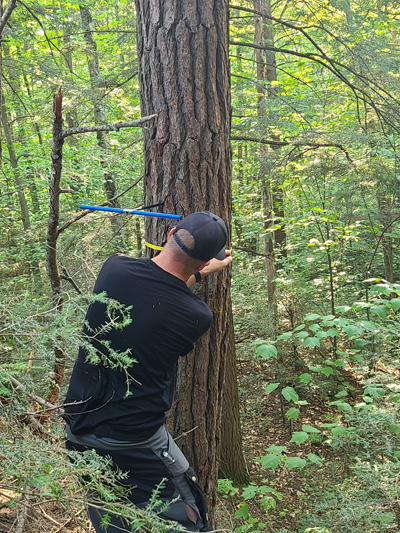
(146, 464)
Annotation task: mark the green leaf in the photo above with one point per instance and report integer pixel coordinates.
(266, 351)
(310, 429)
(315, 368)
(249, 492)
(343, 308)
(285, 336)
(341, 394)
(327, 317)
(271, 387)
(321, 334)
(351, 331)
(243, 511)
(276, 449)
(340, 362)
(299, 437)
(311, 342)
(342, 406)
(295, 462)
(302, 326)
(380, 310)
(270, 461)
(293, 413)
(395, 429)
(305, 378)
(313, 316)
(396, 454)
(395, 303)
(374, 391)
(314, 327)
(339, 431)
(315, 459)
(333, 332)
(327, 371)
(290, 394)
(302, 335)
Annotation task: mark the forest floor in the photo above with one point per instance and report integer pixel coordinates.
(264, 424)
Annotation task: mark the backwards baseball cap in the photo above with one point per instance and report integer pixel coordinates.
(209, 233)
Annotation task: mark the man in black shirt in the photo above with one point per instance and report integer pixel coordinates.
(120, 412)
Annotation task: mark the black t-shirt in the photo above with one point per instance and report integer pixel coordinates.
(166, 320)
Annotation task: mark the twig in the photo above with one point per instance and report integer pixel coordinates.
(186, 433)
(104, 204)
(66, 275)
(50, 517)
(38, 399)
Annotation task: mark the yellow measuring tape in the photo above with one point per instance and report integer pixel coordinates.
(153, 246)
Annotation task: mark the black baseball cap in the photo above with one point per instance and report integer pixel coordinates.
(209, 233)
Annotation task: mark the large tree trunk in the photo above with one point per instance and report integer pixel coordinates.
(184, 78)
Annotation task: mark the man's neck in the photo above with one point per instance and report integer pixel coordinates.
(172, 267)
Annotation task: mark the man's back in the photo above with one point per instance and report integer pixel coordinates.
(166, 319)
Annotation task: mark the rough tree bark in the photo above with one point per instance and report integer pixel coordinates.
(184, 78)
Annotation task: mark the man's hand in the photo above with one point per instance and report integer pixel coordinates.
(212, 266)
(216, 266)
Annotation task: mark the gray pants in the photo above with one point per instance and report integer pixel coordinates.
(148, 462)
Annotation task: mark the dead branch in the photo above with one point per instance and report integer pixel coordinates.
(296, 144)
(19, 386)
(12, 4)
(108, 127)
(66, 275)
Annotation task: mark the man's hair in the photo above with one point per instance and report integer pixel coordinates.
(181, 256)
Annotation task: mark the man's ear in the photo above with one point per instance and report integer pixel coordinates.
(170, 234)
(203, 265)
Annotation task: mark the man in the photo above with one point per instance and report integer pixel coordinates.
(121, 412)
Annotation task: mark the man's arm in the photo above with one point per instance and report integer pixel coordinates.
(213, 266)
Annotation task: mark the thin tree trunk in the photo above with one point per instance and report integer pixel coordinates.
(110, 185)
(184, 78)
(14, 164)
(385, 217)
(264, 175)
(52, 235)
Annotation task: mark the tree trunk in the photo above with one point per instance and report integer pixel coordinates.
(385, 217)
(14, 164)
(110, 185)
(184, 78)
(52, 235)
(264, 175)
